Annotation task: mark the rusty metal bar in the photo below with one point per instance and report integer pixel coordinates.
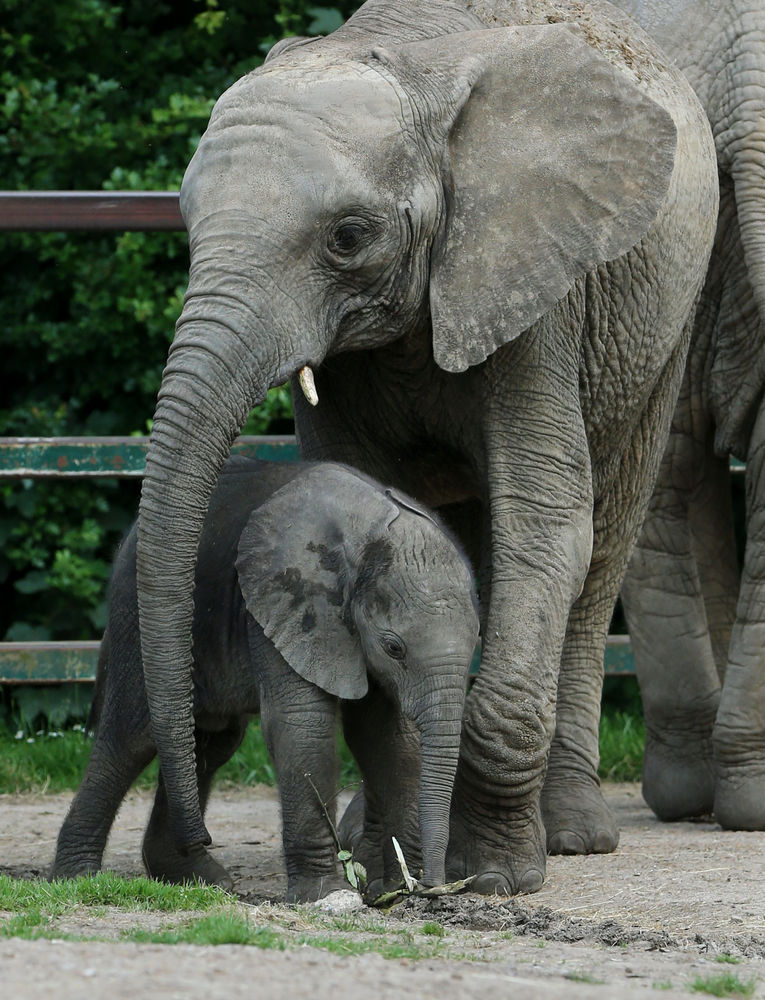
(90, 210)
(48, 662)
(75, 662)
(111, 457)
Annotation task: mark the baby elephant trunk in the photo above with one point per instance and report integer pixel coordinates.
(439, 743)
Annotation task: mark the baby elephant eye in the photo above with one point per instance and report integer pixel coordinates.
(346, 238)
(394, 646)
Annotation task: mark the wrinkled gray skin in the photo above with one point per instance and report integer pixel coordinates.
(697, 625)
(487, 233)
(314, 586)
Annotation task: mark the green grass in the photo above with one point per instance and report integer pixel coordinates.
(726, 984)
(35, 909)
(433, 929)
(105, 889)
(42, 762)
(36, 904)
(622, 739)
(228, 927)
(55, 761)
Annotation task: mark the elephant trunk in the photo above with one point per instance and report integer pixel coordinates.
(217, 370)
(439, 744)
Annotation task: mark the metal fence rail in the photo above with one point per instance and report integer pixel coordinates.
(123, 457)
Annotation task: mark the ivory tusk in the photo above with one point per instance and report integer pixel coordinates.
(307, 384)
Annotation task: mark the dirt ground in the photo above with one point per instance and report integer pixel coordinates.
(654, 917)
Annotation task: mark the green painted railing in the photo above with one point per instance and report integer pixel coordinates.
(124, 457)
(110, 457)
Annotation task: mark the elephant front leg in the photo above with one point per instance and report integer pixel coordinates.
(299, 723)
(540, 503)
(387, 750)
(739, 730)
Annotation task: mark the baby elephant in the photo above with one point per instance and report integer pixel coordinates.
(314, 586)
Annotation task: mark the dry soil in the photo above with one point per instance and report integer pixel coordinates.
(676, 906)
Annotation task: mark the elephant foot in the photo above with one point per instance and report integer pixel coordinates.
(576, 817)
(167, 864)
(505, 851)
(309, 888)
(678, 775)
(72, 868)
(739, 801)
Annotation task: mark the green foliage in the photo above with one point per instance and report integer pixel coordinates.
(100, 95)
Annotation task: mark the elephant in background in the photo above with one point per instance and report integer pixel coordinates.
(485, 225)
(314, 586)
(697, 622)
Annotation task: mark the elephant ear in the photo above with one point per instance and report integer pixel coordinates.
(298, 560)
(559, 162)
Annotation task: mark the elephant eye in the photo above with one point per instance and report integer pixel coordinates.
(346, 238)
(394, 646)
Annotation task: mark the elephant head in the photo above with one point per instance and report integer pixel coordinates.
(343, 196)
(351, 583)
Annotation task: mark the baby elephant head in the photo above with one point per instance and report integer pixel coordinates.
(351, 581)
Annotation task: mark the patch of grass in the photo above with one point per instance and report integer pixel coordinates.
(622, 740)
(583, 977)
(356, 946)
(359, 922)
(726, 984)
(727, 959)
(662, 984)
(229, 927)
(433, 929)
(36, 896)
(42, 762)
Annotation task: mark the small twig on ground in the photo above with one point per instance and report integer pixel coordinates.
(355, 873)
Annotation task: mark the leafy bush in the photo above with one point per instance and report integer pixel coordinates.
(102, 95)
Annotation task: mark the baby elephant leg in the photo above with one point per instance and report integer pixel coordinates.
(122, 748)
(386, 747)
(300, 727)
(161, 856)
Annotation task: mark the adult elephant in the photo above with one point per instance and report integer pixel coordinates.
(487, 233)
(697, 625)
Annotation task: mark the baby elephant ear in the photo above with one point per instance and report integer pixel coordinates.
(559, 162)
(297, 566)
(286, 44)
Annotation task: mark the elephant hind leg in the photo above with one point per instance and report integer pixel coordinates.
(577, 818)
(111, 770)
(739, 730)
(676, 596)
(161, 857)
